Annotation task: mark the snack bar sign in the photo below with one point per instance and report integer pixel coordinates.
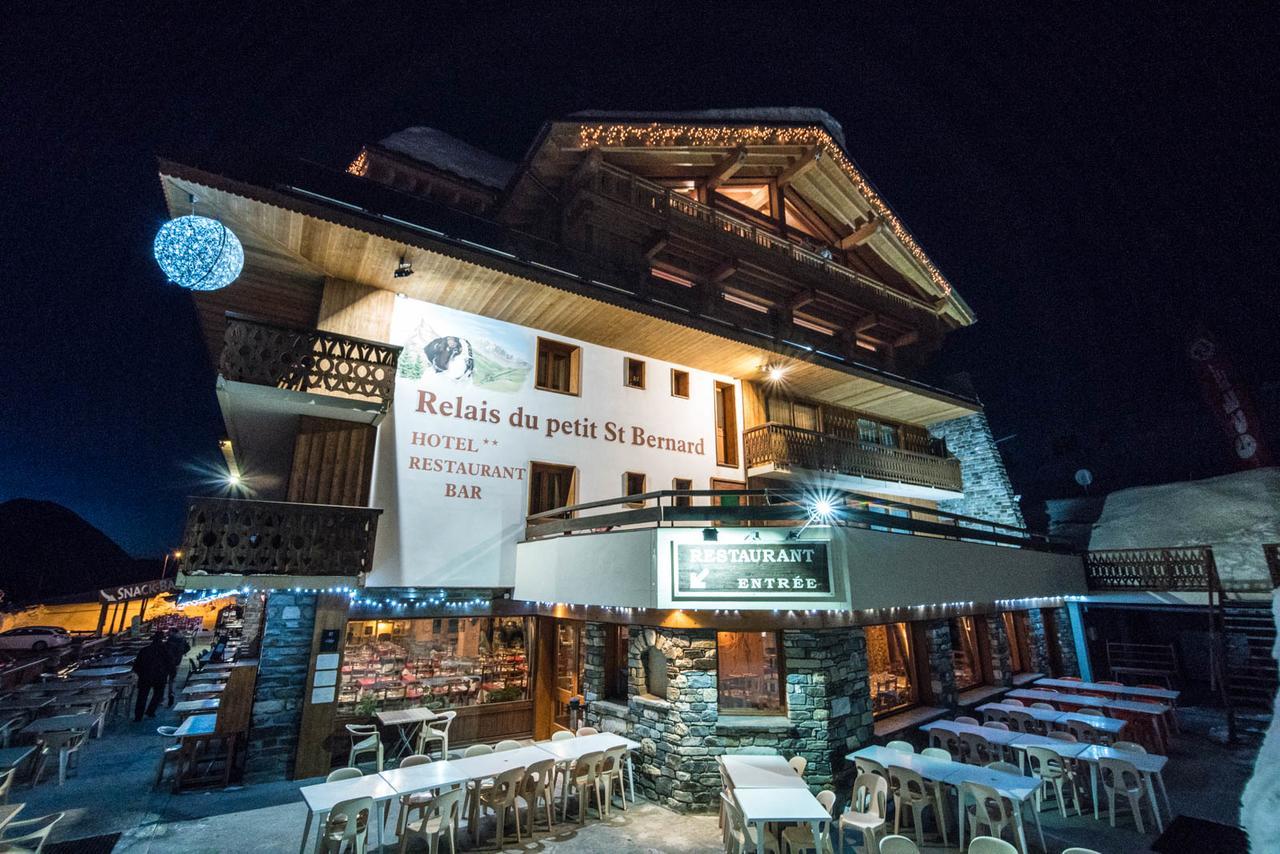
(789, 570)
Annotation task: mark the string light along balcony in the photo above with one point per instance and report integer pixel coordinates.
(198, 253)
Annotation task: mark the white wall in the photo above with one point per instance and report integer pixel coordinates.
(435, 532)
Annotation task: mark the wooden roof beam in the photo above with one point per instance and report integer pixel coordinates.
(861, 234)
(800, 166)
(722, 271)
(866, 323)
(655, 244)
(724, 170)
(800, 300)
(907, 338)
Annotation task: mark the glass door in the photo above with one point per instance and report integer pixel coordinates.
(569, 661)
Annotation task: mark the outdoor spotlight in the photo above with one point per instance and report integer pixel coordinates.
(710, 535)
(775, 373)
(404, 269)
(823, 508)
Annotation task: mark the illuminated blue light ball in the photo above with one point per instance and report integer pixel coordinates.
(198, 253)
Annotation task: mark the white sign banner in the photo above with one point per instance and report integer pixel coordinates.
(454, 455)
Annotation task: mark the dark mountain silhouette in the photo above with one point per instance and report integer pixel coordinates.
(48, 552)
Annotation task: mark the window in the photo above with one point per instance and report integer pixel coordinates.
(559, 366)
(1019, 634)
(682, 484)
(633, 483)
(726, 425)
(749, 673)
(656, 681)
(792, 413)
(966, 653)
(890, 668)
(633, 372)
(550, 487)
(679, 383)
(569, 668)
(439, 664)
(615, 662)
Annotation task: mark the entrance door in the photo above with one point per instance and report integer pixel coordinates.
(569, 661)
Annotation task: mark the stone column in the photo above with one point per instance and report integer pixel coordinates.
(1001, 657)
(1039, 641)
(1066, 643)
(282, 680)
(828, 700)
(942, 674)
(254, 605)
(988, 494)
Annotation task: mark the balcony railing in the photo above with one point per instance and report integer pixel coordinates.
(1189, 569)
(629, 189)
(311, 360)
(795, 448)
(243, 537)
(777, 507)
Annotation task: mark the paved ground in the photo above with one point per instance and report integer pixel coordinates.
(112, 793)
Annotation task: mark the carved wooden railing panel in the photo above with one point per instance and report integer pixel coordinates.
(793, 447)
(229, 535)
(310, 360)
(1188, 569)
(622, 186)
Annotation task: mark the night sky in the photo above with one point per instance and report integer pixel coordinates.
(1093, 186)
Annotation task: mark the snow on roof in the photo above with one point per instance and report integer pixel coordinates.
(765, 115)
(438, 149)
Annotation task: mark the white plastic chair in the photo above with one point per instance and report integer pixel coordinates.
(347, 825)
(990, 845)
(1080, 851)
(365, 739)
(587, 730)
(171, 752)
(911, 792)
(30, 834)
(539, 785)
(743, 835)
(584, 776)
(478, 750)
(901, 746)
(936, 753)
(798, 764)
(1012, 701)
(615, 761)
(985, 807)
(67, 744)
(1129, 747)
(499, 797)
(870, 766)
(799, 838)
(1000, 725)
(435, 818)
(1004, 767)
(337, 775)
(898, 845)
(507, 744)
(1048, 707)
(436, 731)
(866, 811)
(1052, 770)
(967, 719)
(561, 735)
(1123, 778)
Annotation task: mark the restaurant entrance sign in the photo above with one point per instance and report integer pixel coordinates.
(791, 570)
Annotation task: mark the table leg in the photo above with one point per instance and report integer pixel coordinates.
(381, 821)
(323, 819)
(1093, 787)
(1155, 807)
(1035, 813)
(759, 837)
(960, 813)
(1165, 793)
(306, 833)
(816, 827)
(631, 778)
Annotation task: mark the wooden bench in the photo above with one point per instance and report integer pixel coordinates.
(1150, 662)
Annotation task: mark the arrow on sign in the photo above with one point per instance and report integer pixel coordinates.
(698, 580)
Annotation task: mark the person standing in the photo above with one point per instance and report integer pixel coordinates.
(177, 647)
(152, 667)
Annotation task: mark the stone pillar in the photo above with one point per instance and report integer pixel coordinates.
(1066, 643)
(282, 680)
(254, 606)
(988, 494)
(593, 675)
(1001, 658)
(1039, 641)
(942, 673)
(828, 700)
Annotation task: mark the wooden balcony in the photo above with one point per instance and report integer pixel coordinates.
(1188, 570)
(308, 360)
(786, 449)
(229, 536)
(736, 235)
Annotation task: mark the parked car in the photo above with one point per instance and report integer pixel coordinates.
(35, 637)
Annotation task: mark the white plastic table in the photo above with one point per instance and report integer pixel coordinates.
(403, 720)
(569, 749)
(761, 772)
(926, 766)
(61, 723)
(995, 736)
(782, 805)
(1149, 764)
(1164, 695)
(1015, 787)
(1133, 706)
(1111, 726)
(323, 797)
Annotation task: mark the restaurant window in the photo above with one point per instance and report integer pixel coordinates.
(890, 668)
(682, 484)
(633, 372)
(633, 483)
(749, 673)
(559, 366)
(656, 680)
(1019, 634)
(433, 663)
(615, 662)
(679, 383)
(726, 425)
(966, 654)
(550, 486)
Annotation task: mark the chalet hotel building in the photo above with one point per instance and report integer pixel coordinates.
(632, 421)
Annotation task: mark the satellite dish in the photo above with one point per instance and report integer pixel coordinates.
(1084, 477)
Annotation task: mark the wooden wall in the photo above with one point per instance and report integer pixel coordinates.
(753, 411)
(332, 462)
(356, 310)
(260, 294)
(315, 746)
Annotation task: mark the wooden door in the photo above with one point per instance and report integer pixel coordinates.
(568, 668)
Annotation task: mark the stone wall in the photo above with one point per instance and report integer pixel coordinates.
(828, 710)
(942, 674)
(283, 666)
(1039, 641)
(988, 494)
(1001, 658)
(1066, 643)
